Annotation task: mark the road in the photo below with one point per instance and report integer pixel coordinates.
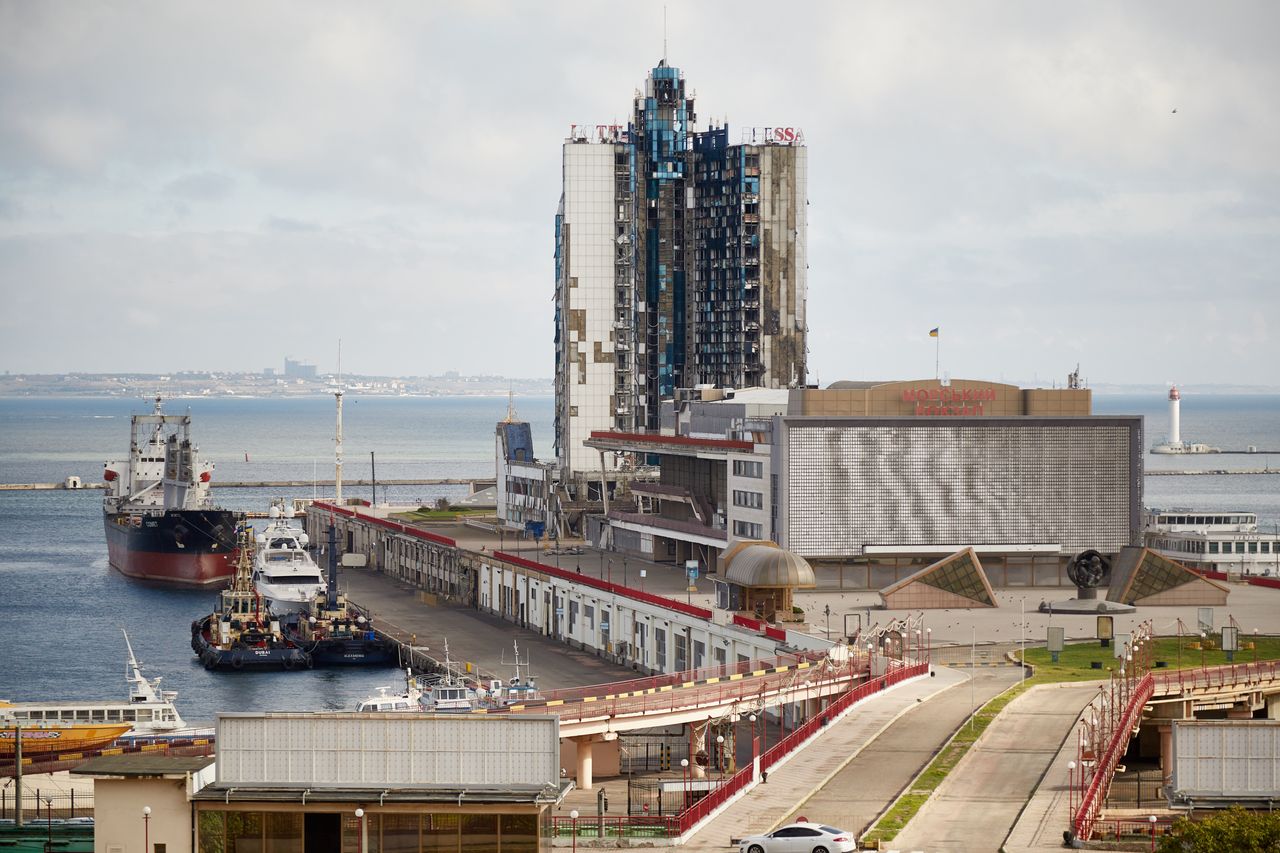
(977, 804)
(865, 787)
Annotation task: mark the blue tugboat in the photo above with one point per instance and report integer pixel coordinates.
(334, 632)
(242, 634)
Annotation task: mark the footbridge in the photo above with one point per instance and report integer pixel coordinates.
(699, 695)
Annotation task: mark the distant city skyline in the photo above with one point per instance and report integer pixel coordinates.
(182, 188)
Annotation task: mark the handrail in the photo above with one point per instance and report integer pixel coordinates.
(1091, 802)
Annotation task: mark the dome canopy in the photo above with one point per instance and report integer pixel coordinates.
(764, 564)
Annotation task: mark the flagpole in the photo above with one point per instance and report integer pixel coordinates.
(937, 347)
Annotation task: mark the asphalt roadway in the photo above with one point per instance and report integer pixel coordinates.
(866, 786)
(977, 805)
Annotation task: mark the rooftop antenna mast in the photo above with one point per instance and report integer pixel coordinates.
(664, 34)
(337, 442)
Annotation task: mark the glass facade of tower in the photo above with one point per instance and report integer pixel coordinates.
(680, 260)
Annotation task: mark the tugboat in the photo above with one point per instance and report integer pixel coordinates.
(242, 634)
(283, 571)
(160, 520)
(334, 632)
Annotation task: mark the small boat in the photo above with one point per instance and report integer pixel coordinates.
(242, 633)
(148, 710)
(386, 701)
(516, 690)
(449, 691)
(334, 632)
(53, 737)
(283, 571)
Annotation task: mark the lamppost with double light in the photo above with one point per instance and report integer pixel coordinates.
(146, 828)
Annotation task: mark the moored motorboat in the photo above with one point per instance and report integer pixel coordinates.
(283, 571)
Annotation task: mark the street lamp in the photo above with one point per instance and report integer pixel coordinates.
(684, 769)
(146, 828)
(359, 830)
(1152, 819)
(574, 814)
(1071, 790)
(720, 753)
(1203, 638)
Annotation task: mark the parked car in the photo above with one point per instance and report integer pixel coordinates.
(803, 837)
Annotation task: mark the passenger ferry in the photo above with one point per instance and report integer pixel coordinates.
(148, 710)
(1214, 540)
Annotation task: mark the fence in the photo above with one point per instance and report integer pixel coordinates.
(37, 804)
(1086, 815)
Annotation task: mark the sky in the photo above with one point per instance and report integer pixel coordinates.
(215, 186)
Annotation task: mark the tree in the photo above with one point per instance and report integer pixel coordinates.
(1232, 831)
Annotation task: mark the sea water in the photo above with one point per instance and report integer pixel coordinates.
(62, 608)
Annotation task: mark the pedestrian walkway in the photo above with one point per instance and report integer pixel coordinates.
(808, 770)
(1048, 813)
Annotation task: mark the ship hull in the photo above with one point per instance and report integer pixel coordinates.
(181, 547)
(43, 740)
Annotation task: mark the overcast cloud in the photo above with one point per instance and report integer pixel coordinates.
(215, 186)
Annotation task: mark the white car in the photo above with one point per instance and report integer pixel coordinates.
(800, 838)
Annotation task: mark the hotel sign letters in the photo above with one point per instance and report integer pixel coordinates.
(949, 401)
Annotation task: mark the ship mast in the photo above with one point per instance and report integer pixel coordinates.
(337, 446)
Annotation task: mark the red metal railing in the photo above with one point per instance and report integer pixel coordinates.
(398, 526)
(1216, 677)
(1086, 815)
(607, 586)
(682, 440)
(1131, 827)
(678, 678)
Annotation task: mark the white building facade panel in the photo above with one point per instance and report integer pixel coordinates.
(858, 482)
(380, 751)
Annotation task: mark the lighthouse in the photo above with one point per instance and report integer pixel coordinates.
(1175, 432)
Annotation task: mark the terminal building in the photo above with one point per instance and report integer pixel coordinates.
(872, 481)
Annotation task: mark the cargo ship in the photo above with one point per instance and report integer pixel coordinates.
(160, 519)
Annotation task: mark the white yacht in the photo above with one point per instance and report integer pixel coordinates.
(1214, 540)
(283, 571)
(149, 710)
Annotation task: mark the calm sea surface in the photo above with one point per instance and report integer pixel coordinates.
(62, 608)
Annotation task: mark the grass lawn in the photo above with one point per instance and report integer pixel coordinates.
(426, 514)
(1075, 661)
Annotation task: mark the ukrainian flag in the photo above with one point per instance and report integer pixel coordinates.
(933, 333)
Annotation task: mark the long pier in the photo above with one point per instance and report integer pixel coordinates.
(473, 482)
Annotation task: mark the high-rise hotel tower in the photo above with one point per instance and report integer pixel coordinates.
(680, 260)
